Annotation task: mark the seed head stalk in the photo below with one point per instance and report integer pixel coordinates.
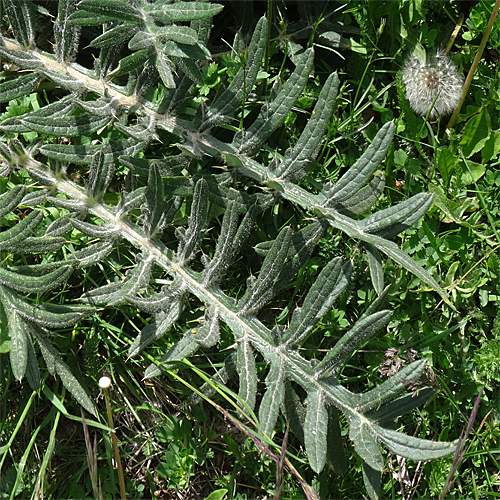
(475, 64)
(105, 384)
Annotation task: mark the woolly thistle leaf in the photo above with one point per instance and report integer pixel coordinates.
(65, 126)
(196, 52)
(59, 227)
(197, 222)
(36, 244)
(34, 284)
(365, 198)
(141, 40)
(166, 70)
(391, 221)
(155, 203)
(65, 80)
(91, 254)
(32, 370)
(105, 231)
(10, 199)
(114, 9)
(57, 365)
(21, 17)
(335, 454)
(20, 86)
(373, 481)
(168, 167)
(34, 198)
(129, 201)
(359, 334)
(157, 328)
(86, 18)
(411, 447)
(209, 333)
(145, 130)
(269, 272)
(365, 442)
(294, 410)
(21, 58)
(53, 110)
(100, 176)
(116, 35)
(359, 174)
(307, 236)
(315, 430)
(273, 398)
(297, 159)
(394, 409)
(229, 242)
(165, 191)
(274, 114)
(332, 280)
(182, 349)
(223, 108)
(19, 232)
(71, 205)
(376, 268)
(49, 316)
(157, 302)
(85, 154)
(138, 277)
(167, 12)
(104, 106)
(247, 373)
(18, 346)
(190, 68)
(391, 388)
(104, 295)
(408, 263)
(132, 62)
(66, 35)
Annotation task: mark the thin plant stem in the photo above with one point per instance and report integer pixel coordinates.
(454, 34)
(475, 64)
(460, 451)
(105, 383)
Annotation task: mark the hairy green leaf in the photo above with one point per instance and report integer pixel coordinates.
(273, 398)
(247, 373)
(66, 35)
(296, 161)
(19, 344)
(274, 114)
(65, 126)
(57, 365)
(315, 430)
(18, 87)
(165, 11)
(32, 284)
(21, 14)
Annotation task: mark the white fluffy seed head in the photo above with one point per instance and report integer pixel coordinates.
(436, 80)
(104, 382)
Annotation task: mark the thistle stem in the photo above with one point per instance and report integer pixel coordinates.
(475, 64)
(105, 384)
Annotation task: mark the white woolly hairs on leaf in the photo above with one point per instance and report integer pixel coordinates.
(435, 81)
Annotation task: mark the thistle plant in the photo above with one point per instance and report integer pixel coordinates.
(125, 123)
(433, 84)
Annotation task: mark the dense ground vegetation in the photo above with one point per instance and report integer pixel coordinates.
(164, 152)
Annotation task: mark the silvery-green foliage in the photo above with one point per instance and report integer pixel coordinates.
(160, 50)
